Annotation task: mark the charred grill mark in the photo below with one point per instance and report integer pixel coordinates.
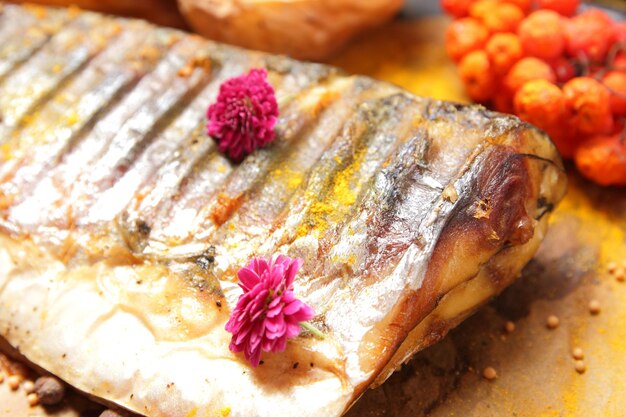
(386, 129)
(32, 86)
(165, 162)
(395, 225)
(297, 171)
(270, 189)
(77, 108)
(146, 125)
(335, 181)
(108, 106)
(157, 197)
(406, 193)
(195, 187)
(127, 142)
(18, 45)
(172, 207)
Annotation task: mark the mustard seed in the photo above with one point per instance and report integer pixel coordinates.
(14, 382)
(612, 266)
(28, 386)
(33, 399)
(489, 373)
(509, 327)
(552, 322)
(577, 353)
(580, 367)
(594, 307)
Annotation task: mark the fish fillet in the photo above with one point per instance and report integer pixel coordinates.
(122, 227)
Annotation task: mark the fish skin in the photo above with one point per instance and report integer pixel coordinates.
(123, 223)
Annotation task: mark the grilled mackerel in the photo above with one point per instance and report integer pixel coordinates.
(122, 227)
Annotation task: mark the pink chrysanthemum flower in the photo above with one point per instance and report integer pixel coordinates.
(267, 313)
(244, 115)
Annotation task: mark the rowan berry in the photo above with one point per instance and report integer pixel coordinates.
(615, 81)
(478, 76)
(464, 36)
(562, 7)
(587, 36)
(541, 103)
(603, 159)
(542, 35)
(588, 103)
(528, 69)
(504, 50)
(503, 17)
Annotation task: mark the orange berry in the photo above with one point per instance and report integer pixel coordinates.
(563, 7)
(504, 50)
(597, 15)
(464, 36)
(524, 5)
(587, 36)
(563, 69)
(528, 69)
(615, 81)
(603, 159)
(619, 33)
(542, 35)
(588, 103)
(503, 17)
(481, 8)
(541, 103)
(456, 8)
(477, 75)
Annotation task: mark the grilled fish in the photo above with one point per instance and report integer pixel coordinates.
(122, 227)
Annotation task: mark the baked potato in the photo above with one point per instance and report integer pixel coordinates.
(162, 12)
(304, 29)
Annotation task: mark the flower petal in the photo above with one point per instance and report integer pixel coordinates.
(293, 307)
(248, 278)
(291, 272)
(280, 345)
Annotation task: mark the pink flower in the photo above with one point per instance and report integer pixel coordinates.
(267, 313)
(244, 115)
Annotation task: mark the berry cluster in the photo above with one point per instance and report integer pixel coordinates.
(563, 71)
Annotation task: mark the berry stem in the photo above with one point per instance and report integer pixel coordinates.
(312, 329)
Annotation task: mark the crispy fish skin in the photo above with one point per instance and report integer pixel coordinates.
(122, 227)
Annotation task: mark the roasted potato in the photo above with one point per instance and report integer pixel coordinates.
(162, 12)
(305, 29)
